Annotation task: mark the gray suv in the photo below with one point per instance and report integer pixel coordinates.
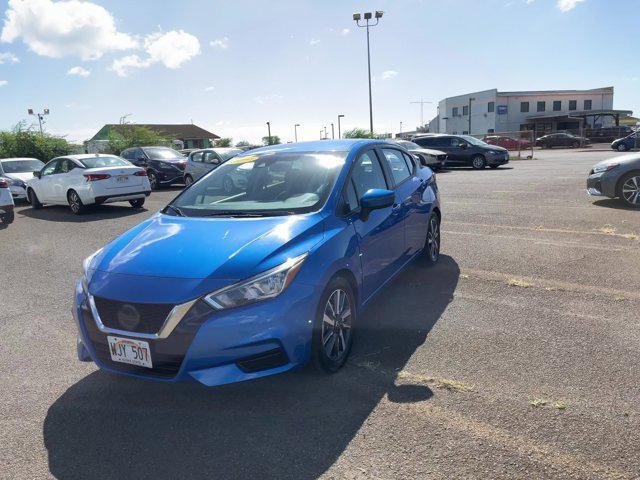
(201, 162)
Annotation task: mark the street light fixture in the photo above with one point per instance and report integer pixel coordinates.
(339, 117)
(367, 18)
(295, 131)
(39, 115)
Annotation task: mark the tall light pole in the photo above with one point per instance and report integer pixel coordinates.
(400, 129)
(320, 134)
(39, 115)
(367, 16)
(339, 117)
(325, 132)
(421, 102)
(295, 131)
(268, 133)
(332, 133)
(469, 112)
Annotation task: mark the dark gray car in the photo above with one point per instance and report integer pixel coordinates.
(201, 162)
(465, 150)
(617, 177)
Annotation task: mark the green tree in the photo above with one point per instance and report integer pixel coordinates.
(360, 133)
(243, 143)
(24, 141)
(273, 140)
(127, 136)
(223, 142)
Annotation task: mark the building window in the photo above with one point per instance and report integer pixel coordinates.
(464, 132)
(524, 107)
(526, 126)
(491, 107)
(573, 104)
(491, 130)
(454, 111)
(587, 104)
(541, 107)
(557, 105)
(465, 110)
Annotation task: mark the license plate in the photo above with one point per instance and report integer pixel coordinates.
(122, 178)
(127, 350)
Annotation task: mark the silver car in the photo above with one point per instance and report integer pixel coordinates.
(201, 162)
(617, 177)
(434, 159)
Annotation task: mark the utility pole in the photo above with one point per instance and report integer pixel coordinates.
(39, 115)
(268, 133)
(421, 102)
(325, 132)
(332, 133)
(469, 112)
(400, 129)
(339, 117)
(367, 16)
(295, 131)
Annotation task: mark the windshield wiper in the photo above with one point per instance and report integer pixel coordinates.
(175, 209)
(256, 213)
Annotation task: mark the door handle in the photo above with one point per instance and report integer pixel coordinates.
(395, 209)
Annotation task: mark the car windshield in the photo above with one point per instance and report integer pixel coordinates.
(227, 153)
(263, 184)
(162, 153)
(104, 161)
(21, 166)
(409, 145)
(473, 140)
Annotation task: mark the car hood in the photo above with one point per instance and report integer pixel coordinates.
(170, 160)
(629, 159)
(209, 248)
(495, 148)
(24, 176)
(427, 151)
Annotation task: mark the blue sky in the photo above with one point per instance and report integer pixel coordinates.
(230, 66)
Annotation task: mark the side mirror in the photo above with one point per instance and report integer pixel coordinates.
(375, 199)
(37, 174)
(463, 146)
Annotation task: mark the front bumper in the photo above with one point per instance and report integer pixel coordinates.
(498, 159)
(216, 347)
(601, 185)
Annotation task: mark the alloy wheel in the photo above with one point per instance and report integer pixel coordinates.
(74, 202)
(478, 162)
(622, 147)
(631, 191)
(433, 239)
(336, 324)
(153, 180)
(188, 181)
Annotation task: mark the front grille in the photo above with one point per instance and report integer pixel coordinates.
(132, 317)
(263, 361)
(167, 355)
(442, 158)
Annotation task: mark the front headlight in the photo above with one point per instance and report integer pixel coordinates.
(88, 270)
(267, 285)
(431, 158)
(604, 168)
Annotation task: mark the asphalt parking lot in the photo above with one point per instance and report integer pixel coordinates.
(517, 356)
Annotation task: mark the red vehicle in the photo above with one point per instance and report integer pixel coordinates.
(508, 142)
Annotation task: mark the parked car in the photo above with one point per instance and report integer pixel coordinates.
(82, 180)
(434, 159)
(465, 150)
(607, 134)
(627, 143)
(6, 202)
(16, 171)
(561, 140)
(165, 166)
(617, 177)
(509, 143)
(201, 162)
(223, 288)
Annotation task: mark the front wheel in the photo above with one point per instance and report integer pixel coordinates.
(75, 203)
(153, 179)
(188, 180)
(622, 147)
(478, 162)
(137, 203)
(333, 329)
(33, 199)
(629, 189)
(575, 144)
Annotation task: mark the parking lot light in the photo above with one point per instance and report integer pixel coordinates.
(339, 117)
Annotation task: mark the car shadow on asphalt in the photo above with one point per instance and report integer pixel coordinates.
(60, 213)
(614, 203)
(293, 425)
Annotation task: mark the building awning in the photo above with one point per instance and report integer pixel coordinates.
(581, 114)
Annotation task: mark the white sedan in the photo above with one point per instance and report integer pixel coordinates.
(6, 202)
(16, 172)
(81, 180)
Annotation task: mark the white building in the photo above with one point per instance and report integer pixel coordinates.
(491, 111)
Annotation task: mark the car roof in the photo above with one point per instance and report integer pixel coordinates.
(84, 156)
(17, 159)
(320, 146)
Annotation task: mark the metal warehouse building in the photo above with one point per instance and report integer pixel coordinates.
(544, 111)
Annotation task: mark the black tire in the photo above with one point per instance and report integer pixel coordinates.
(323, 346)
(188, 180)
(137, 203)
(153, 179)
(478, 162)
(629, 189)
(33, 199)
(9, 217)
(75, 203)
(432, 243)
(575, 144)
(622, 147)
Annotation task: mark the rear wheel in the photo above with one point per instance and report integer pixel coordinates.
(137, 203)
(629, 189)
(188, 180)
(478, 162)
(432, 242)
(622, 147)
(33, 199)
(75, 203)
(153, 179)
(9, 217)
(333, 329)
(575, 144)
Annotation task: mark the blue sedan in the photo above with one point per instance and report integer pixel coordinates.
(223, 286)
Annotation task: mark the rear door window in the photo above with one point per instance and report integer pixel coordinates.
(397, 164)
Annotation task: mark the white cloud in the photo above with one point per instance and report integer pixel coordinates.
(8, 58)
(171, 49)
(344, 31)
(264, 99)
(388, 74)
(566, 5)
(221, 43)
(65, 28)
(3, 83)
(314, 41)
(210, 88)
(79, 71)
